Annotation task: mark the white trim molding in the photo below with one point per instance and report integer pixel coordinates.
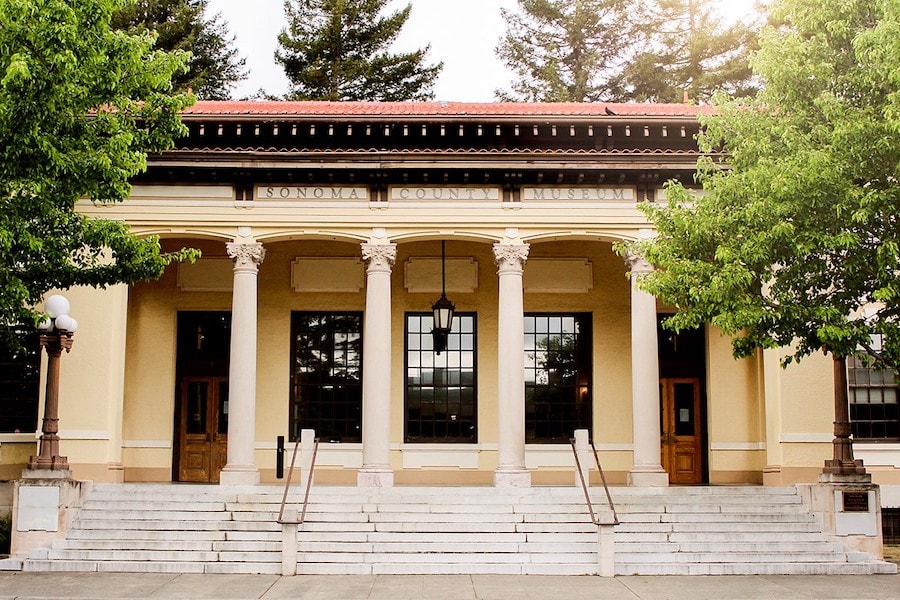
(84, 434)
(165, 444)
(737, 446)
(16, 438)
(806, 438)
(878, 455)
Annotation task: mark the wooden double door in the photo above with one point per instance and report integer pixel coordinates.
(203, 424)
(681, 430)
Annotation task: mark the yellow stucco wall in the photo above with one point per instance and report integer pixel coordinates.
(734, 419)
(118, 385)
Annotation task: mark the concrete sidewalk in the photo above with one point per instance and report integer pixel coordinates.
(128, 586)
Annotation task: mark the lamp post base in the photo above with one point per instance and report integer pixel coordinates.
(844, 471)
(48, 463)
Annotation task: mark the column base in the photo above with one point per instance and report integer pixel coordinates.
(511, 478)
(653, 478)
(239, 476)
(375, 478)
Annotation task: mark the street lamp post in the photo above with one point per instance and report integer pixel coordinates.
(56, 335)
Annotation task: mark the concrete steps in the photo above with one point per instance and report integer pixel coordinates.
(727, 531)
(410, 530)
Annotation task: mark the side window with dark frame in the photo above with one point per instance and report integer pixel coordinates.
(326, 375)
(20, 380)
(874, 408)
(440, 389)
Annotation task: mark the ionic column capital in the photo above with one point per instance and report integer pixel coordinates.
(510, 257)
(379, 257)
(246, 255)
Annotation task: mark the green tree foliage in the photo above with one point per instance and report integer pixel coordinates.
(214, 67)
(81, 105)
(563, 50)
(687, 48)
(338, 50)
(797, 240)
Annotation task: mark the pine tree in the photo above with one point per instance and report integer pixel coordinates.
(563, 50)
(338, 50)
(215, 66)
(690, 52)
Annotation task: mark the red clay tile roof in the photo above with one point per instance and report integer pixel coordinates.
(441, 109)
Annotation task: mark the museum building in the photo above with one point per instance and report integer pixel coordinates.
(329, 231)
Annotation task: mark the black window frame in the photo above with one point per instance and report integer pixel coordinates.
(465, 418)
(20, 379)
(334, 408)
(873, 420)
(555, 426)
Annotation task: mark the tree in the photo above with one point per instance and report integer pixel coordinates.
(691, 51)
(214, 67)
(81, 105)
(338, 50)
(796, 242)
(563, 50)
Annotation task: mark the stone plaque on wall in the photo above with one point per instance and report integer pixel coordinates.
(38, 508)
(440, 193)
(579, 194)
(310, 193)
(422, 274)
(328, 274)
(206, 275)
(558, 276)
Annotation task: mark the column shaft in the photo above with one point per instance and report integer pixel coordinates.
(241, 465)
(511, 469)
(647, 469)
(376, 394)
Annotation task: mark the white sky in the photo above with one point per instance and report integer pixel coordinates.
(462, 34)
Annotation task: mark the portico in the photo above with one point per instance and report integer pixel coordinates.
(320, 231)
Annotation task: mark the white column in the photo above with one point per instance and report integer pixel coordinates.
(647, 469)
(511, 471)
(241, 466)
(376, 393)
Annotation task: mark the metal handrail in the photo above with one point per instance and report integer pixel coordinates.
(609, 499)
(584, 486)
(287, 484)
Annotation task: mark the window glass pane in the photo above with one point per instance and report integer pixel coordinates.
(197, 399)
(326, 382)
(440, 401)
(557, 376)
(20, 373)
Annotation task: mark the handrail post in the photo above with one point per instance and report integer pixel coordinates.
(289, 519)
(307, 444)
(582, 454)
(310, 448)
(289, 544)
(606, 557)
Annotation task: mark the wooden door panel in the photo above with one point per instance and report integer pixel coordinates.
(681, 430)
(202, 448)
